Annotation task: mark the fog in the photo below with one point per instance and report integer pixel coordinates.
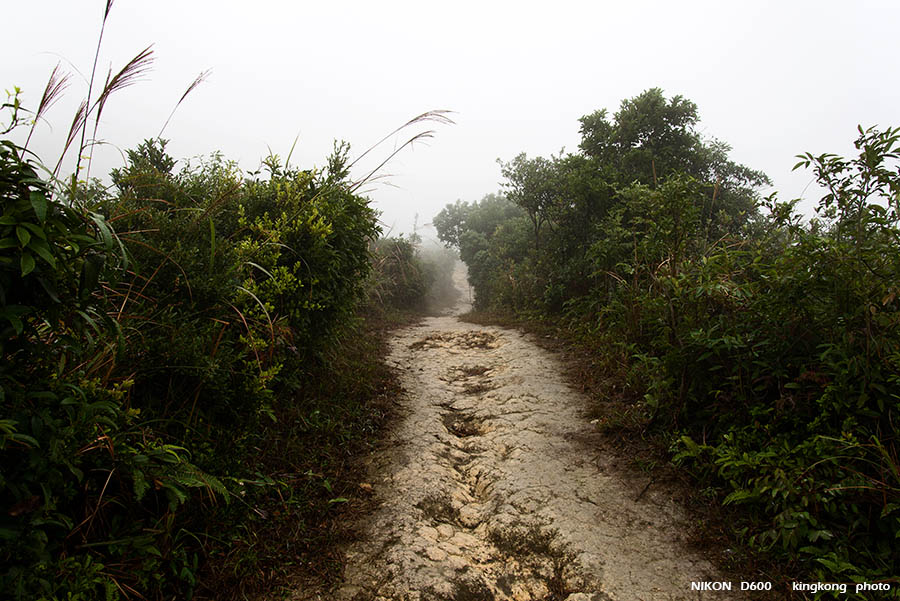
(770, 80)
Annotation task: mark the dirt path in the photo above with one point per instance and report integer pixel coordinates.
(493, 487)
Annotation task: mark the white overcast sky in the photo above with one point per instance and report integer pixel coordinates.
(771, 78)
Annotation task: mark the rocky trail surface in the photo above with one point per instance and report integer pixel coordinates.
(493, 486)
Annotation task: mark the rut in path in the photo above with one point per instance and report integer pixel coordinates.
(493, 487)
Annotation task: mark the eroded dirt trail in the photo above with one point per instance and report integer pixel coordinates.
(492, 487)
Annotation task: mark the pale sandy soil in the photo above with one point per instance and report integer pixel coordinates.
(494, 486)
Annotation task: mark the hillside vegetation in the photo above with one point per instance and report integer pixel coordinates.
(763, 348)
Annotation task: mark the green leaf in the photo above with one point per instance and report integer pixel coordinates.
(36, 230)
(89, 320)
(23, 235)
(105, 233)
(90, 275)
(43, 251)
(27, 263)
(39, 204)
(16, 323)
(739, 496)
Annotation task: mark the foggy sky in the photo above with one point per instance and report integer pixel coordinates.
(772, 79)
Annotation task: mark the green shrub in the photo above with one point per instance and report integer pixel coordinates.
(140, 369)
(400, 279)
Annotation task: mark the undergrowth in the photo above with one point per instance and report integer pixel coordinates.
(311, 457)
(760, 349)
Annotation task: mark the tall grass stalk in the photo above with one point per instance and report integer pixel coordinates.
(87, 102)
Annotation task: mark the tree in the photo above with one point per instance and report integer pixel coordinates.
(648, 139)
(483, 216)
(450, 223)
(651, 139)
(530, 183)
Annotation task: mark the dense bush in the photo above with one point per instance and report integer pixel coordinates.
(237, 279)
(765, 350)
(400, 279)
(407, 276)
(791, 360)
(141, 367)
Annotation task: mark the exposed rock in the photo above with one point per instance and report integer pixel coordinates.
(495, 488)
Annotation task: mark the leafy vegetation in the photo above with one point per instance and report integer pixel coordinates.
(190, 357)
(762, 348)
(176, 377)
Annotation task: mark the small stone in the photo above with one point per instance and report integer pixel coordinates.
(470, 516)
(461, 539)
(445, 531)
(428, 533)
(450, 549)
(435, 554)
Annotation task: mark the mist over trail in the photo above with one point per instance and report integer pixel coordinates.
(493, 486)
